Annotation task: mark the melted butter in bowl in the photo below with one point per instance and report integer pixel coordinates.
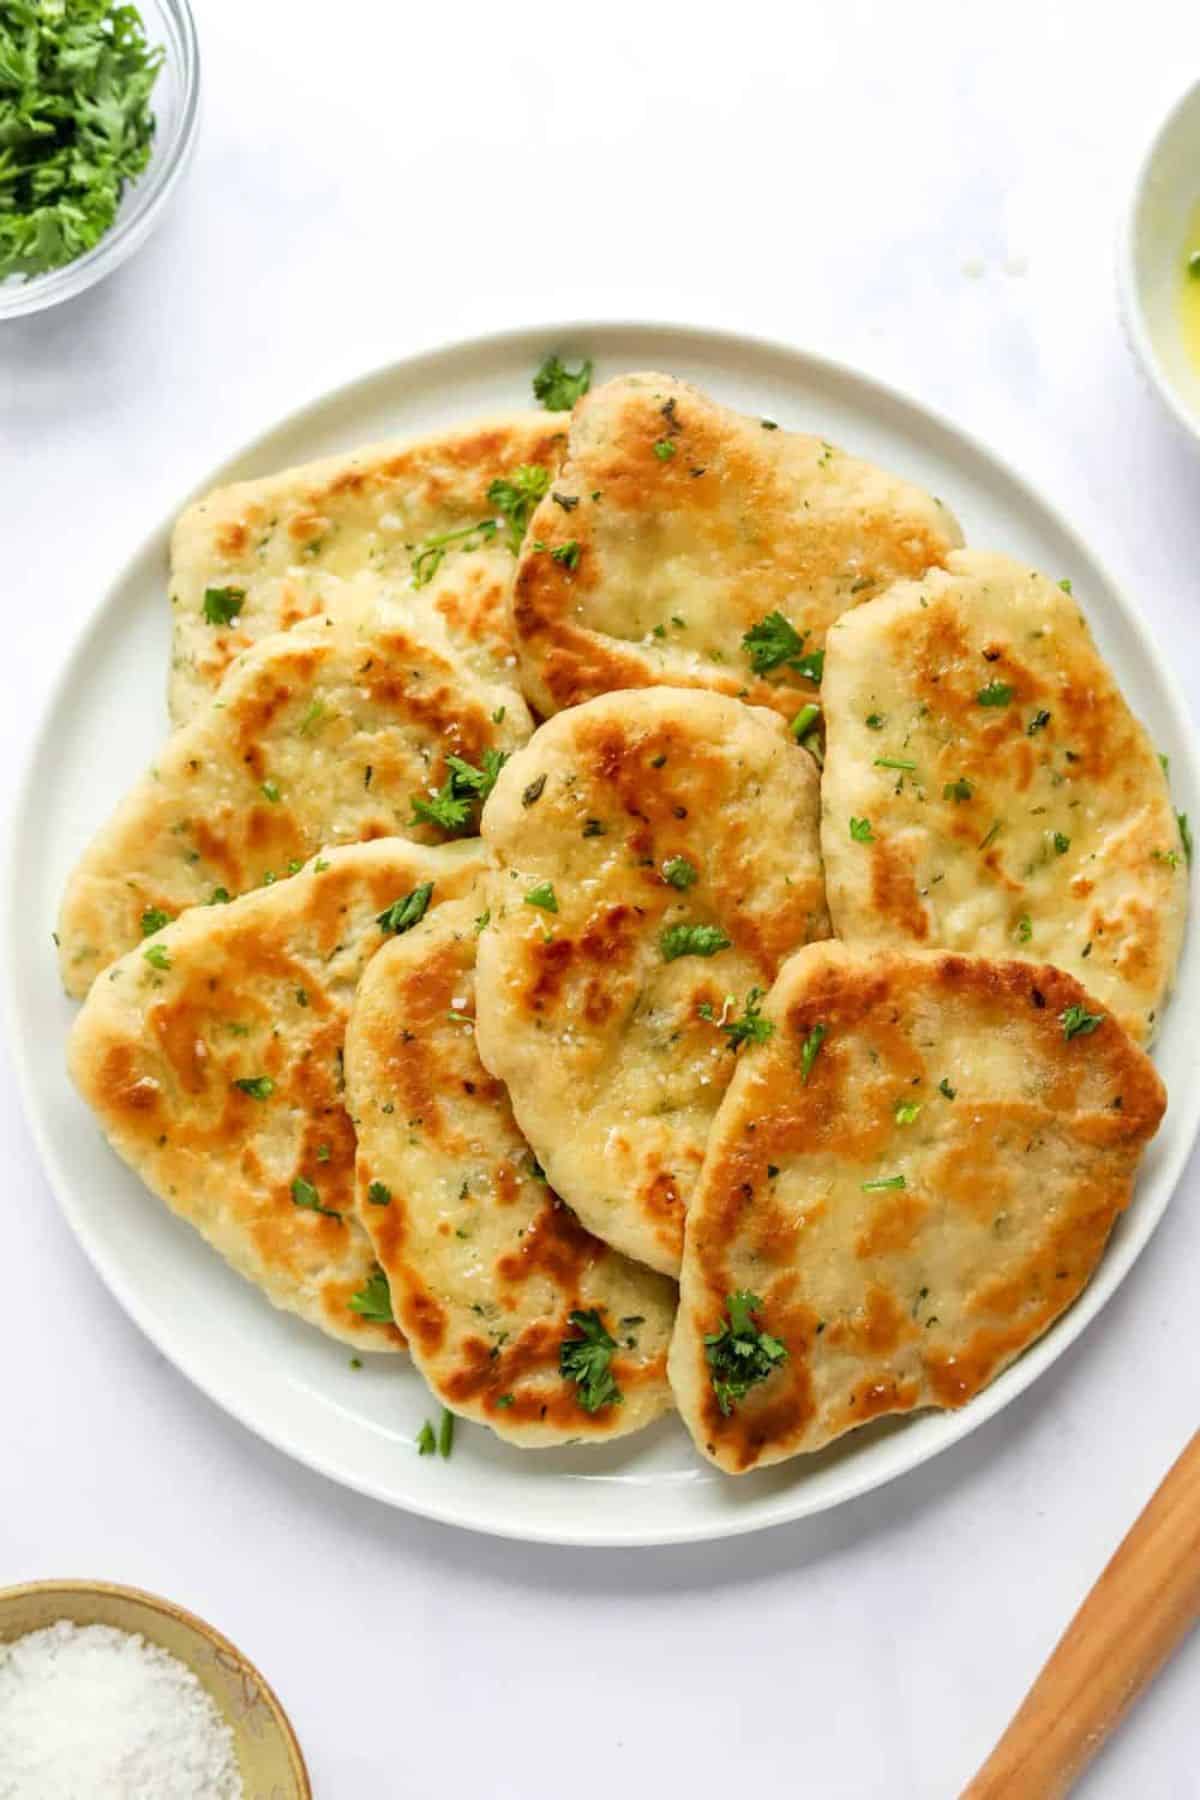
(1189, 290)
(1160, 237)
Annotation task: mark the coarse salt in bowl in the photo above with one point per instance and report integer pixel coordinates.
(215, 1692)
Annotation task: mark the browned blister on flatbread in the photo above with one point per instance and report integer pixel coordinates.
(987, 788)
(657, 860)
(485, 1264)
(912, 1177)
(213, 1059)
(282, 547)
(676, 526)
(327, 734)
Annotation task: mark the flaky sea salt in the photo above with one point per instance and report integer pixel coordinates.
(91, 1713)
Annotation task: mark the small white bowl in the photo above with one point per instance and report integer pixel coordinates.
(1149, 254)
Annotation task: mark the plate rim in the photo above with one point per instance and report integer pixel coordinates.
(788, 1505)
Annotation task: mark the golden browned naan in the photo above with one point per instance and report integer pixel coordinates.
(212, 1058)
(987, 789)
(676, 527)
(907, 1182)
(323, 735)
(657, 861)
(486, 1266)
(279, 547)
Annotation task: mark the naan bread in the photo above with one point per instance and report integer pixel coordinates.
(1014, 805)
(673, 836)
(282, 544)
(318, 736)
(259, 993)
(910, 1204)
(676, 527)
(485, 1265)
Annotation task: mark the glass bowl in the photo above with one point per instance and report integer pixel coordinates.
(174, 99)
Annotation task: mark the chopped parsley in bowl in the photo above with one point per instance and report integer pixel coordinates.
(97, 114)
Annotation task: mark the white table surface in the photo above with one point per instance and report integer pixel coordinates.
(373, 178)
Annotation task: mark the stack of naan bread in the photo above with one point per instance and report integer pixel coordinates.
(803, 953)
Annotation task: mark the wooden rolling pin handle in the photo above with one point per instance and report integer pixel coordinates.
(1145, 1601)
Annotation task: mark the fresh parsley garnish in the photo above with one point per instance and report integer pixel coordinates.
(77, 125)
(664, 449)
(1062, 843)
(1024, 928)
(567, 554)
(860, 831)
(543, 895)
(515, 496)
(958, 790)
(874, 721)
(1077, 1021)
(883, 1181)
(221, 604)
(692, 940)
(805, 721)
(896, 762)
(810, 1050)
(378, 1194)
(1185, 836)
(996, 693)
(907, 1112)
(306, 1197)
(219, 897)
(775, 641)
(945, 1088)
(680, 872)
(741, 1353)
(429, 556)
(426, 1440)
(271, 792)
(587, 1361)
(470, 780)
(259, 1087)
(448, 809)
(751, 1028)
(465, 787)
(156, 955)
(373, 1300)
(446, 1433)
(404, 913)
(557, 387)
(153, 919)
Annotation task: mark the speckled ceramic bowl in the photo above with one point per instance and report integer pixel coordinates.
(269, 1757)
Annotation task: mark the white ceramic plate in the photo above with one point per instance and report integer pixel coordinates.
(285, 1381)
